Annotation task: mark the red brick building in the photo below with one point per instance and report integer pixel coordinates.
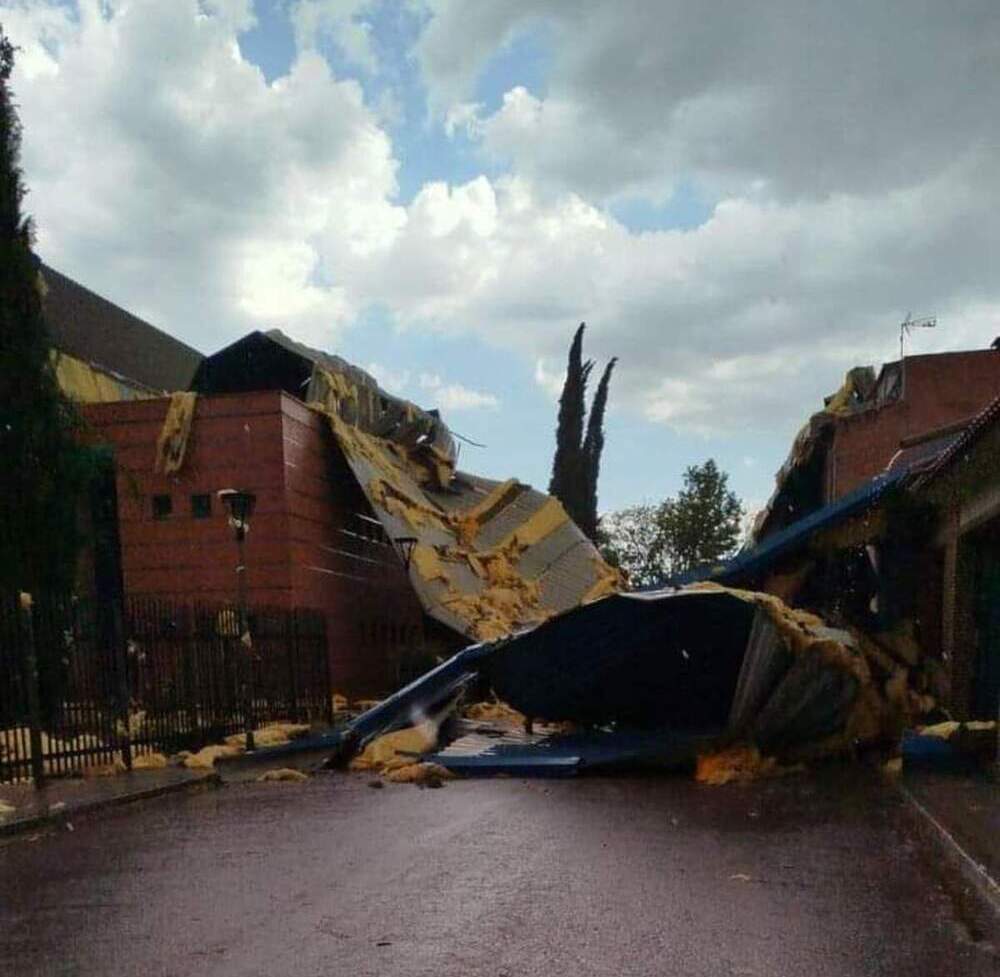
(313, 541)
(915, 399)
(913, 409)
(360, 513)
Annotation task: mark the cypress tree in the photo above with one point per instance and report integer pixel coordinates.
(593, 446)
(42, 471)
(566, 468)
(577, 460)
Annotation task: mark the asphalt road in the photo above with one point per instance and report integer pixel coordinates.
(805, 876)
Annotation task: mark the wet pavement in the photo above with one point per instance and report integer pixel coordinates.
(651, 876)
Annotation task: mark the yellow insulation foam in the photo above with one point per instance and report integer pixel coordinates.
(171, 446)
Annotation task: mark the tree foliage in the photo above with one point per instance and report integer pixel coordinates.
(576, 465)
(654, 543)
(43, 470)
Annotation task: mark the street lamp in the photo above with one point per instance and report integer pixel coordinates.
(406, 546)
(241, 505)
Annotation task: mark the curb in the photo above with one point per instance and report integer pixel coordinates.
(50, 818)
(322, 746)
(969, 880)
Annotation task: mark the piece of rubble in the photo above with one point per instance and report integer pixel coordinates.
(399, 749)
(149, 761)
(283, 775)
(422, 774)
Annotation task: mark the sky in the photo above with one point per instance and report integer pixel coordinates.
(741, 200)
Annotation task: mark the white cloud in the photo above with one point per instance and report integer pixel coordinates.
(455, 396)
(808, 99)
(167, 174)
(394, 381)
(339, 20)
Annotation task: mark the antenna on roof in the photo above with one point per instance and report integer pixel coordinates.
(909, 324)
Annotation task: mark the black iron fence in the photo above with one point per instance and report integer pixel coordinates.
(88, 683)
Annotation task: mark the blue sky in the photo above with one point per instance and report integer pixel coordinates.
(519, 435)
(741, 208)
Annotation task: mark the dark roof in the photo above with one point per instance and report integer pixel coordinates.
(91, 328)
(921, 455)
(749, 563)
(958, 448)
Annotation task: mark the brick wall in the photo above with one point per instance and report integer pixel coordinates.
(938, 390)
(297, 554)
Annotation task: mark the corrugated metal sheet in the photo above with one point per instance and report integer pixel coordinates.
(482, 750)
(522, 561)
(747, 565)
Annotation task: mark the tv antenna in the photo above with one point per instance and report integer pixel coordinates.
(909, 324)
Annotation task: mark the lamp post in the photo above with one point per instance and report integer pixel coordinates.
(406, 545)
(241, 505)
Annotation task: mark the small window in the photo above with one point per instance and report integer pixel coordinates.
(162, 506)
(201, 506)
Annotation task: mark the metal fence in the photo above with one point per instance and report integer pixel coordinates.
(87, 683)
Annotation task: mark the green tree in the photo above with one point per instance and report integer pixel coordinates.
(44, 471)
(654, 543)
(630, 540)
(702, 525)
(577, 461)
(593, 447)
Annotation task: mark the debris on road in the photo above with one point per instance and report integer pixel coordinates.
(422, 774)
(495, 711)
(149, 761)
(398, 749)
(270, 734)
(734, 683)
(283, 775)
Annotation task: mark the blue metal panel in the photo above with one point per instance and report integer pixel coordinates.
(753, 562)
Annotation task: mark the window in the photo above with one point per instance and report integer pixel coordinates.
(201, 506)
(162, 506)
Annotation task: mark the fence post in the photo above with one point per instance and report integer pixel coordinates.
(292, 651)
(121, 677)
(324, 650)
(31, 687)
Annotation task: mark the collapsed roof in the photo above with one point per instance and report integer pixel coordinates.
(488, 558)
(97, 333)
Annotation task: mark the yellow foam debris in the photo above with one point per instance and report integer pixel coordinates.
(339, 702)
(893, 767)
(171, 446)
(205, 758)
(941, 731)
(428, 564)
(149, 761)
(507, 600)
(6, 809)
(85, 383)
(284, 775)
(737, 763)
(397, 502)
(494, 712)
(398, 749)
(609, 581)
(545, 521)
(419, 773)
(270, 734)
(981, 725)
(881, 709)
(112, 769)
(468, 522)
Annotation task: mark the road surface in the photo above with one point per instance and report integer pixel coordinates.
(651, 876)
